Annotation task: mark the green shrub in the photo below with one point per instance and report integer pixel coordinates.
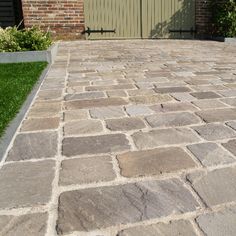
(224, 18)
(32, 39)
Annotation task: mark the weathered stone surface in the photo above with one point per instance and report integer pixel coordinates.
(213, 132)
(107, 112)
(173, 228)
(75, 115)
(228, 93)
(218, 223)
(232, 124)
(26, 184)
(75, 89)
(215, 187)
(231, 146)
(116, 93)
(217, 115)
(172, 119)
(138, 110)
(83, 127)
(156, 138)
(229, 101)
(183, 97)
(172, 89)
(210, 154)
(125, 124)
(205, 95)
(33, 146)
(84, 96)
(154, 162)
(159, 98)
(40, 124)
(50, 94)
(102, 102)
(140, 92)
(88, 209)
(30, 225)
(110, 87)
(86, 170)
(95, 144)
(209, 104)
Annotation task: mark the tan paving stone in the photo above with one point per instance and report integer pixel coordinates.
(172, 107)
(231, 146)
(230, 101)
(111, 87)
(209, 104)
(150, 99)
(138, 110)
(172, 89)
(107, 112)
(84, 96)
(75, 115)
(205, 95)
(50, 94)
(116, 93)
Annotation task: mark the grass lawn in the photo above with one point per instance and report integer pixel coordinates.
(16, 82)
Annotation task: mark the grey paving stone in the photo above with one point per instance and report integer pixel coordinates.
(159, 98)
(219, 223)
(107, 112)
(50, 94)
(205, 95)
(140, 92)
(183, 97)
(26, 184)
(75, 115)
(110, 87)
(228, 93)
(75, 89)
(101, 102)
(230, 101)
(156, 138)
(125, 124)
(95, 144)
(210, 154)
(209, 104)
(173, 228)
(144, 85)
(214, 132)
(154, 162)
(40, 124)
(217, 115)
(231, 146)
(30, 225)
(83, 127)
(232, 124)
(89, 209)
(33, 146)
(84, 96)
(138, 110)
(116, 93)
(172, 89)
(86, 170)
(172, 119)
(215, 187)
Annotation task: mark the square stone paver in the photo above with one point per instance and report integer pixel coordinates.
(154, 162)
(33, 146)
(107, 112)
(138, 110)
(215, 187)
(213, 132)
(26, 184)
(83, 127)
(89, 209)
(95, 144)
(205, 95)
(156, 138)
(30, 225)
(230, 146)
(172, 119)
(173, 228)
(210, 154)
(86, 170)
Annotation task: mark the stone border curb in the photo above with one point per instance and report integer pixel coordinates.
(10, 131)
(30, 56)
(225, 40)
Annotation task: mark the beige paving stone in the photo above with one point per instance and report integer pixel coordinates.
(172, 119)
(83, 127)
(95, 144)
(40, 124)
(232, 124)
(75, 115)
(173, 228)
(125, 124)
(228, 93)
(33, 146)
(138, 110)
(30, 225)
(102, 102)
(159, 98)
(154, 162)
(231, 146)
(50, 94)
(183, 97)
(229, 101)
(140, 92)
(26, 184)
(172, 89)
(116, 93)
(209, 104)
(107, 112)
(75, 89)
(86, 170)
(157, 138)
(89, 209)
(84, 96)
(205, 95)
(110, 87)
(215, 187)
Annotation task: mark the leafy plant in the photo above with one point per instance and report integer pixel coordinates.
(224, 18)
(31, 39)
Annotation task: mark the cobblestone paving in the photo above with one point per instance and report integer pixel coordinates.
(127, 138)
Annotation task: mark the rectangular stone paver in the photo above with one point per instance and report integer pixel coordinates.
(230, 146)
(86, 170)
(172, 90)
(26, 184)
(154, 162)
(138, 110)
(95, 144)
(88, 209)
(215, 187)
(75, 115)
(232, 124)
(209, 104)
(173, 228)
(30, 225)
(84, 96)
(33, 146)
(156, 138)
(151, 99)
(107, 112)
(183, 97)
(205, 95)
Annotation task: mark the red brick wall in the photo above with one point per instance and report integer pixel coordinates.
(64, 18)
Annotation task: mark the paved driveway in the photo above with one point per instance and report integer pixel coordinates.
(128, 138)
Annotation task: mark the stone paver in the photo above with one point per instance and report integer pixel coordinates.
(125, 141)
